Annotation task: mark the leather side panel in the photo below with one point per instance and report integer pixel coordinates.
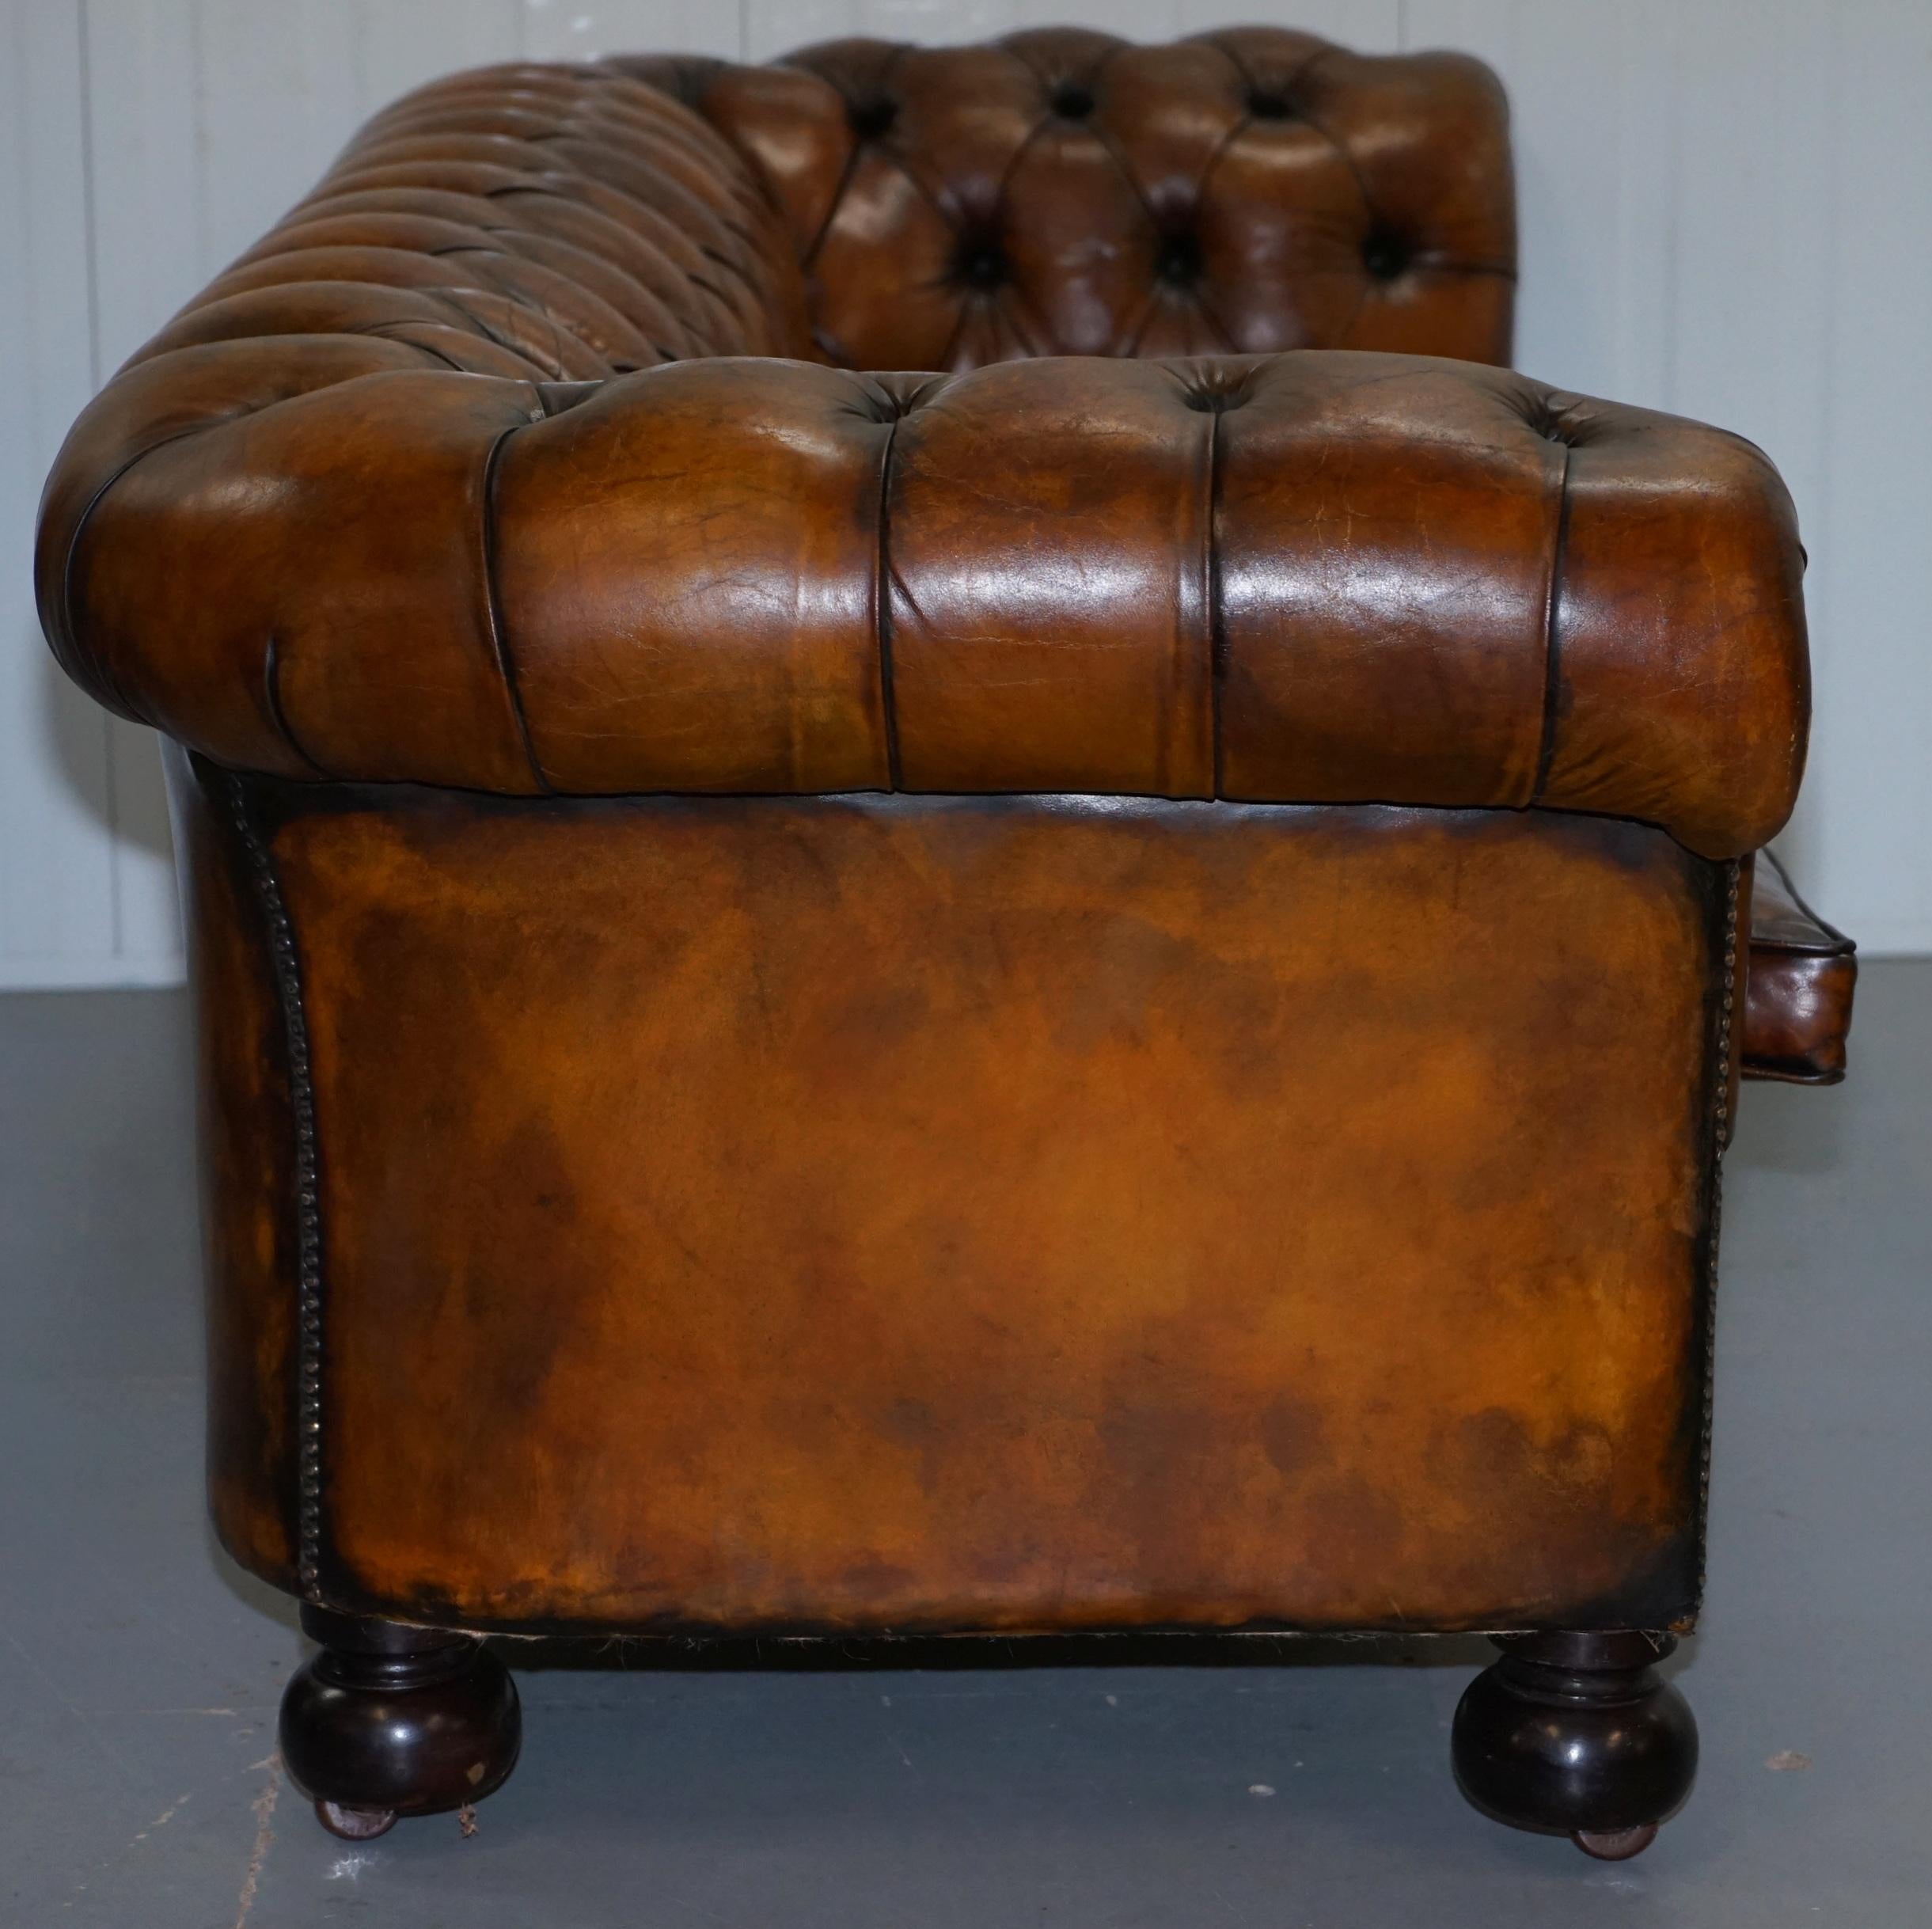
(247, 1158)
(1017, 1213)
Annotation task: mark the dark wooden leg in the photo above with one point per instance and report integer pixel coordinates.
(1574, 1734)
(390, 1720)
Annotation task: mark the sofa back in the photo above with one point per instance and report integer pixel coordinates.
(1061, 192)
(528, 221)
(892, 207)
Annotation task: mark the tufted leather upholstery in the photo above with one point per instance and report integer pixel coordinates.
(766, 576)
(653, 1184)
(1060, 191)
(521, 221)
(1319, 577)
(386, 502)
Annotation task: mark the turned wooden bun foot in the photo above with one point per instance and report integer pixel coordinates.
(390, 1720)
(1613, 1844)
(1575, 1734)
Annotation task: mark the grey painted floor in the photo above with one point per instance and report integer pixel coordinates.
(138, 1672)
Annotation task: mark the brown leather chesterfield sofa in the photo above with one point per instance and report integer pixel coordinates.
(1077, 994)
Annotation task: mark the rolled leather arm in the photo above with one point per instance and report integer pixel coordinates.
(1798, 989)
(1307, 577)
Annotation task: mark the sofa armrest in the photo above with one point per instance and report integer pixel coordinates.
(1798, 989)
(1311, 577)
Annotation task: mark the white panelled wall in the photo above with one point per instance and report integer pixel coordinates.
(1725, 202)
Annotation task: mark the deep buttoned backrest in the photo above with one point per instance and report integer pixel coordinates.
(1062, 191)
(565, 222)
(406, 495)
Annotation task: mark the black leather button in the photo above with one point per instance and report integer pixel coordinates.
(1178, 261)
(982, 264)
(1215, 401)
(872, 118)
(1385, 255)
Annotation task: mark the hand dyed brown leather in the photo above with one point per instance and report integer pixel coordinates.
(1797, 1005)
(1062, 192)
(1089, 991)
(765, 576)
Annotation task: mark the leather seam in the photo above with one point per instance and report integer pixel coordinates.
(1214, 321)
(387, 331)
(1302, 69)
(516, 241)
(1217, 632)
(1342, 154)
(1347, 330)
(764, 198)
(527, 301)
(1120, 161)
(1028, 140)
(493, 608)
(1218, 40)
(308, 1390)
(272, 695)
(882, 612)
(946, 354)
(1130, 349)
(808, 255)
(1105, 139)
(522, 304)
(1213, 161)
(893, 62)
(1552, 650)
(1328, 134)
(109, 679)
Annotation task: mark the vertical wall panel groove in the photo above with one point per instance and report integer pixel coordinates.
(1868, 850)
(56, 855)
